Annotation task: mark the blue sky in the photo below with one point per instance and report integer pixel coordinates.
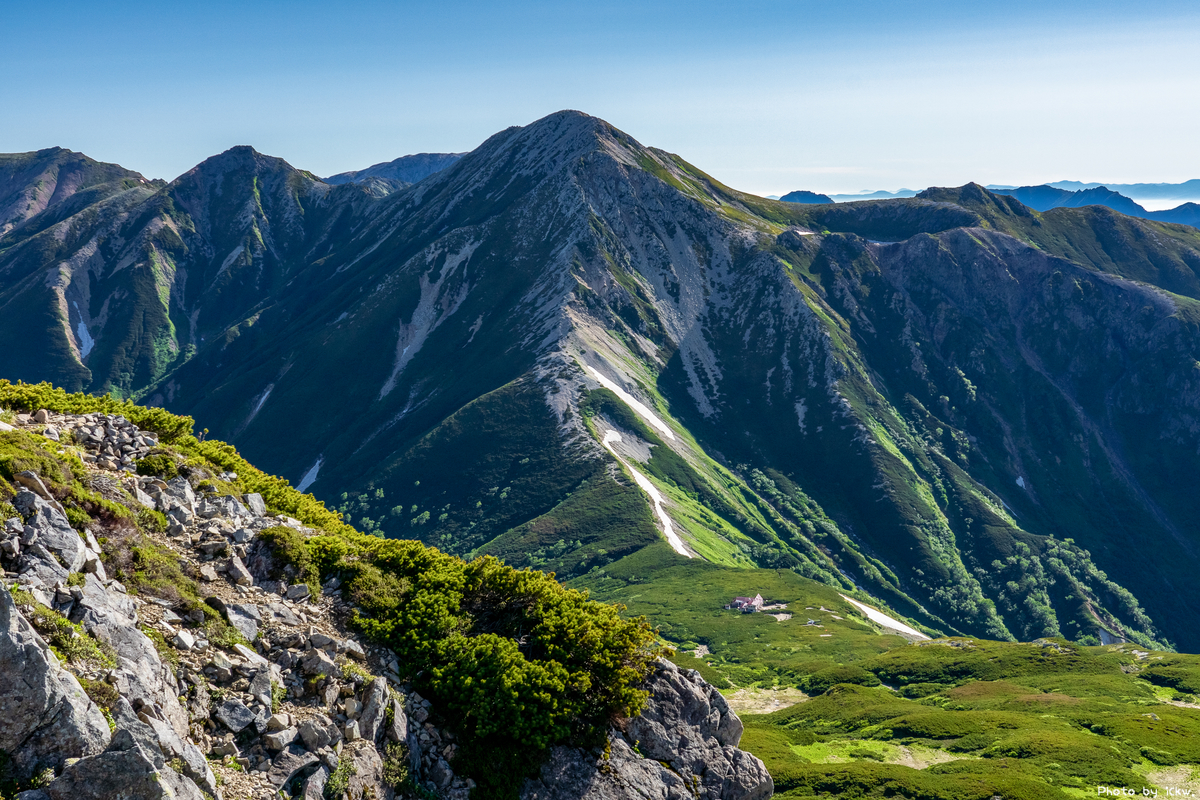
(766, 96)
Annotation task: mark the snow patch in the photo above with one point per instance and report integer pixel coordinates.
(310, 477)
(1021, 481)
(801, 410)
(875, 615)
(641, 410)
(475, 328)
(229, 259)
(432, 310)
(86, 342)
(652, 490)
(258, 404)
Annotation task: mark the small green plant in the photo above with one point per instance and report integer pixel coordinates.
(217, 630)
(339, 780)
(42, 779)
(291, 548)
(278, 695)
(102, 693)
(69, 641)
(166, 652)
(76, 579)
(150, 520)
(395, 765)
(78, 519)
(353, 672)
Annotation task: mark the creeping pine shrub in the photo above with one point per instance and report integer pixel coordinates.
(290, 547)
(103, 694)
(395, 765)
(515, 661)
(819, 682)
(32, 396)
(278, 695)
(158, 465)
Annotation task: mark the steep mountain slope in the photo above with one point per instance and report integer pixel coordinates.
(30, 183)
(122, 288)
(569, 350)
(401, 172)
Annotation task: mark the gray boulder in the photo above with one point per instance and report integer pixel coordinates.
(234, 715)
(398, 730)
(260, 687)
(126, 771)
(367, 768)
(38, 565)
(245, 618)
(687, 737)
(47, 717)
(46, 524)
(371, 718)
(316, 732)
(688, 724)
(140, 675)
(574, 774)
(314, 787)
(288, 764)
(254, 502)
(181, 492)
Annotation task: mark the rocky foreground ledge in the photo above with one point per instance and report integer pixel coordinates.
(293, 704)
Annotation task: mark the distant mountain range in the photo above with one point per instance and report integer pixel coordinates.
(570, 351)
(399, 173)
(1188, 190)
(1048, 196)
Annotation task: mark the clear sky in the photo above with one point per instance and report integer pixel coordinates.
(767, 96)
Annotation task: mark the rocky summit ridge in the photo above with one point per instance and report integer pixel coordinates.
(263, 689)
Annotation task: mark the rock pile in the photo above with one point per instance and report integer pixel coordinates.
(278, 695)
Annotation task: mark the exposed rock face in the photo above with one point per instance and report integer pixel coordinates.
(46, 716)
(686, 740)
(285, 711)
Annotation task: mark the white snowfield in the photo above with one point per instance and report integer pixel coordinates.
(875, 615)
(638, 408)
(310, 477)
(655, 495)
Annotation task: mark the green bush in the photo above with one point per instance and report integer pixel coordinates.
(515, 661)
(33, 396)
(821, 681)
(102, 693)
(339, 781)
(158, 465)
(291, 548)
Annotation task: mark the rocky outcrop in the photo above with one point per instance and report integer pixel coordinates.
(291, 701)
(46, 716)
(683, 745)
